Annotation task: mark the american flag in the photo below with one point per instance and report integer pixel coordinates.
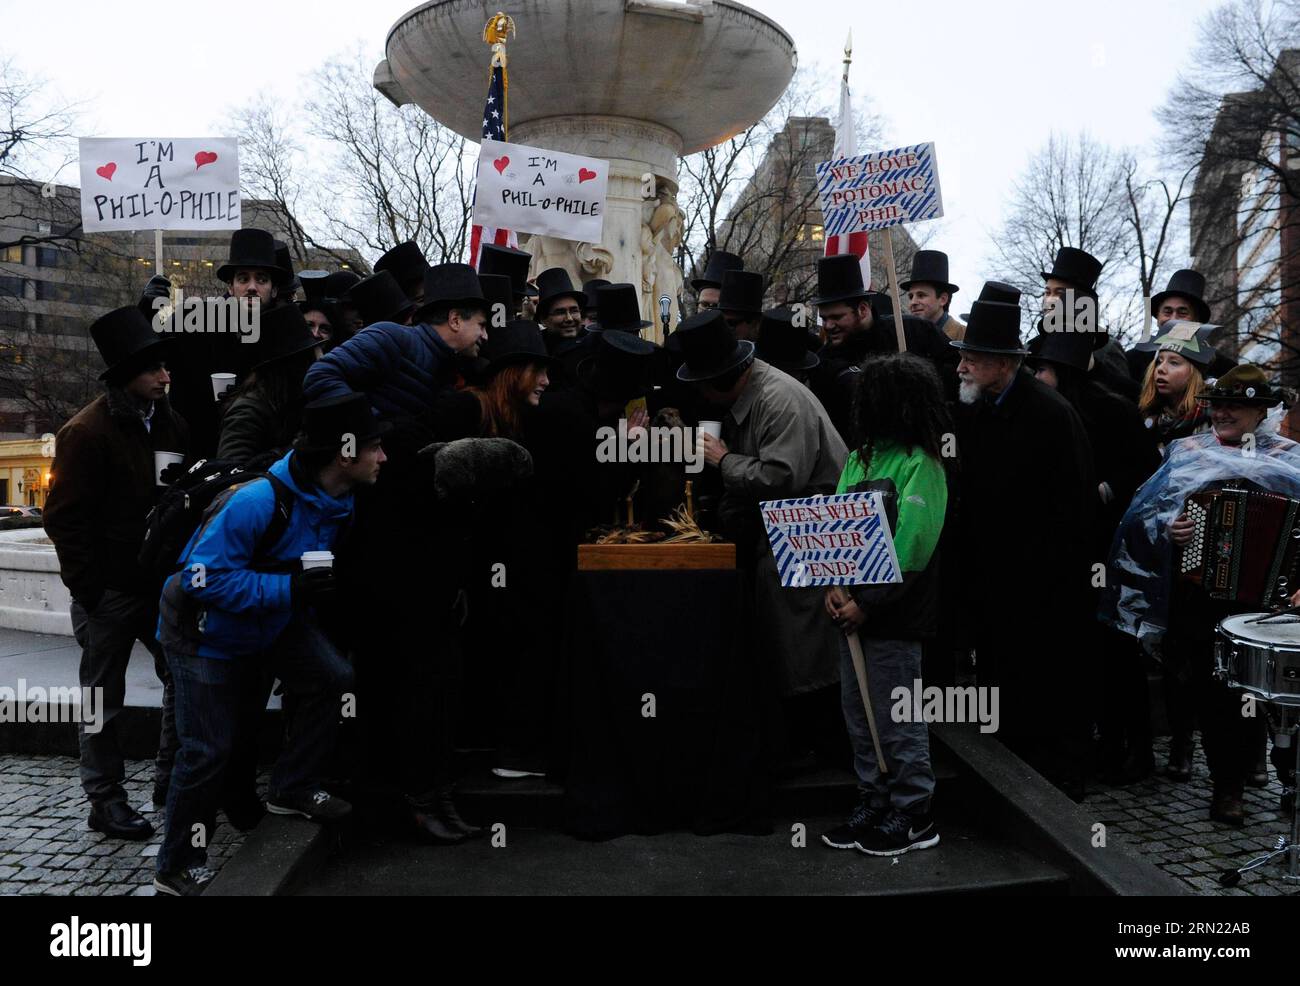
(846, 145)
(494, 128)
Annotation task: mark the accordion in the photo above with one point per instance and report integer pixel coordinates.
(1245, 548)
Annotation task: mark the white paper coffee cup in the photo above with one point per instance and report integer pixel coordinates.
(317, 559)
(161, 460)
(221, 382)
(713, 428)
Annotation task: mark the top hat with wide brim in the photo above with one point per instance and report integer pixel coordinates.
(997, 291)
(619, 368)
(252, 249)
(493, 259)
(518, 341)
(1073, 349)
(284, 334)
(1075, 267)
(619, 309)
(720, 261)
(709, 347)
(555, 283)
(405, 261)
(783, 344)
(839, 279)
(993, 327)
(379, 298)
(589, 289)
(127, 341)
(742, 292)
(1187, 284)
(497, 290)
(930, 267)
(451, 285)
(338, 423)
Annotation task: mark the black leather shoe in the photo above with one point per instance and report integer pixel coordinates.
(451, 817)
(1180, 761)
(431, 828)
(118, 820)
(1227, 807)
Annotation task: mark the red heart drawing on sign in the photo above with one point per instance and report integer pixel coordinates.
(585, 175)
(202, 158)
(107, 170)
(501, 164)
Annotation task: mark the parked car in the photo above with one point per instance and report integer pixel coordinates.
(19, 510)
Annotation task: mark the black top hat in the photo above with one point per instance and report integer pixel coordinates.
(252, 248)
(331, 421)
(405, 261)
(1075, 267)
(742, 291)
(1062, 348)
(126, 340)
(1245, 383)
(493, 259)
(997, 291)
(719, 263)
(1185, 284)
(556, 283)
(338, 284)
(930, 267)
(709, 347)
(782, 344)
(284, 333)
(619, 308)
(994, 327)
(519, 341)
(313, 285)
(497, 290)
(839, 278)
(619, 368)
(282, 257)
(451, 284)
(379, 298)
(589, 290)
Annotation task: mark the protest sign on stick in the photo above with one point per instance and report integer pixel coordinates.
(834, 541)
(877, 191)
(533, 190)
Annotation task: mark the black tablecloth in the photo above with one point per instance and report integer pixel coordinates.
(681, 637)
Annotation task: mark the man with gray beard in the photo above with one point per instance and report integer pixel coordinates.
(1023, 534)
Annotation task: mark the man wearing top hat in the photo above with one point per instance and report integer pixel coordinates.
(777, 442)
(1070, 304)
(784, 345)
(589, 289)
(741, 301)
(407, 265)
(257, 608)
(379, 298)
(929, 292)
(708, 286)
(493, 259)
(1023, 537)
(1182, 299)
(559, 307)
(105, 480)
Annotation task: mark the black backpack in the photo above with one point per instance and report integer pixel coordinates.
(199, 493)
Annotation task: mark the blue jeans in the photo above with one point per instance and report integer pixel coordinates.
(890, 664)
(218, 700)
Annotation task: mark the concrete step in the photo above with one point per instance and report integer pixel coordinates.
(541, 861)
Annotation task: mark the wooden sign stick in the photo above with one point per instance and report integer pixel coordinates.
(893, 290)
(860, 669)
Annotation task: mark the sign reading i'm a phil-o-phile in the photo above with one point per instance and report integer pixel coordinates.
(532, 190)
(831, 540)
(155, 183)
(872, 191)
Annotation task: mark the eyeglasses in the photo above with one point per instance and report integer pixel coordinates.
(565, 312)
(707, 306)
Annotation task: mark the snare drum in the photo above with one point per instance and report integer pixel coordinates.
(1260, 653)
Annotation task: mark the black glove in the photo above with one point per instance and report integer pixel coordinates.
(313, 587)
(171, 473)
(158, 287)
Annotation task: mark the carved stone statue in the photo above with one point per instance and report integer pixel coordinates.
(660, 238)
(583, 261)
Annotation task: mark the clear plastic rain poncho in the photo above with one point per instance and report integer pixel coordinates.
(1138, 582)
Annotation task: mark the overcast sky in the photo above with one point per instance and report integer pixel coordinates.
(986, 82)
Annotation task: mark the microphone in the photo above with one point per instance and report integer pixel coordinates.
(665, 308)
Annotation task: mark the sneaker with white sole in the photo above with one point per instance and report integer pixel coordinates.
(864, 818)
(186, 883)
(900, 832)
(319, 806)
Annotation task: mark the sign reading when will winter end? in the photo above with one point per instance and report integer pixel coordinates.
(831, 540)
(533, 190)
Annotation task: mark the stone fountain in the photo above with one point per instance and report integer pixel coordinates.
(637, 82)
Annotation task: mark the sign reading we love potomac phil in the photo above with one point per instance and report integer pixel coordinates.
(532, 190)
(831, 540)
(159, 183)
(872, 191)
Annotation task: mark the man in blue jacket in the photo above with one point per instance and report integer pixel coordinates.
(240, 606)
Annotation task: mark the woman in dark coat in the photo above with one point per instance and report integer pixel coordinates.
(262, 416)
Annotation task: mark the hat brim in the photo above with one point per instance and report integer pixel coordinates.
(835, 299)
(962, 344)
(380, 429)
(585, 371)
(139, 359)
(543, 302)
(950, 288)
(1202, 309)
(279, 276)
(743, 351)
(1212, 398)
(636, 326)
(699, 284)
(293, 352)
(810, 361)
(517, 357)
(428, 306)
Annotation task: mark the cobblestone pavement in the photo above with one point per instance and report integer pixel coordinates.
(1168, 823)
(47, 848)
